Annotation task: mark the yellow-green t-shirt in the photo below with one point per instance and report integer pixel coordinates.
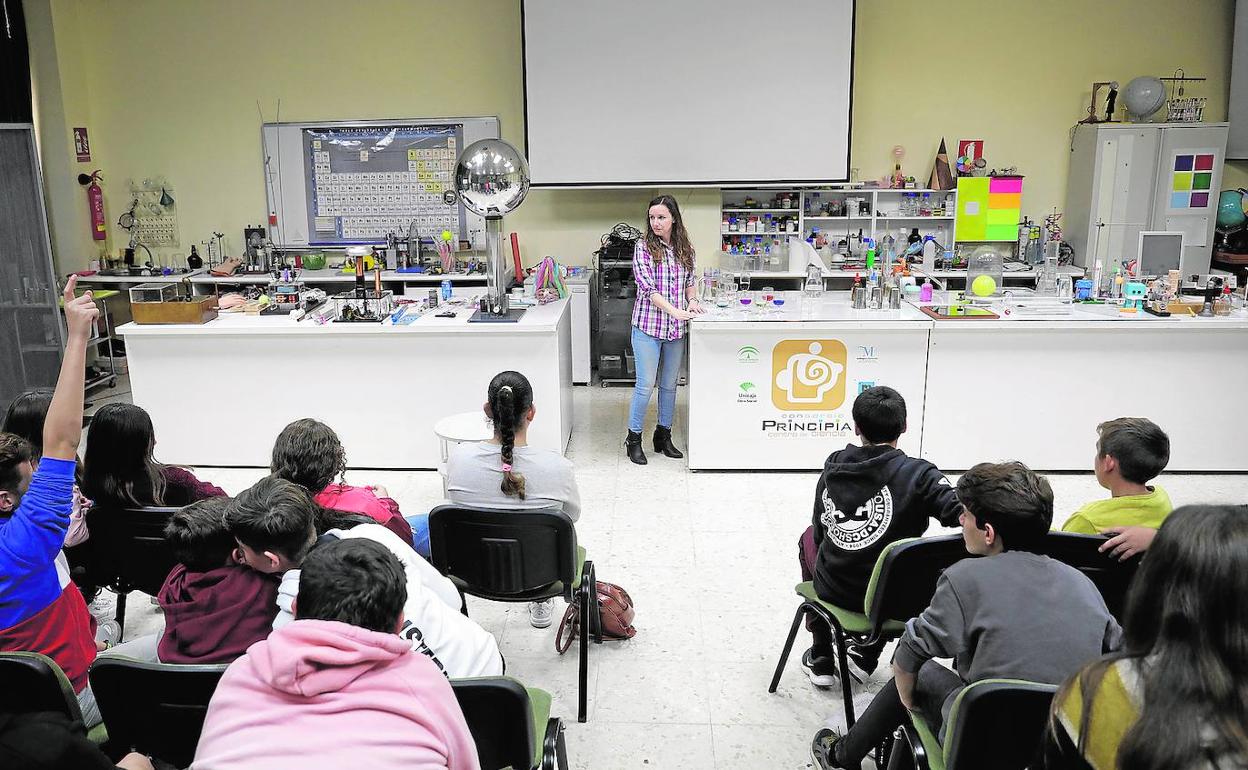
(1148, 510)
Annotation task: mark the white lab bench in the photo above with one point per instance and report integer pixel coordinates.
(976, 390)
(220, 392)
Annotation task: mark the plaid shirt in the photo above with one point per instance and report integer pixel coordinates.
(669, 279)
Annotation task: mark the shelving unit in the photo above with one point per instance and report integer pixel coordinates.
(104, 328)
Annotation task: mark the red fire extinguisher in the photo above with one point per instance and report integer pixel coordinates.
(95, 202)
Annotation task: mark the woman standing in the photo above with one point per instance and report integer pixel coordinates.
(666, 300)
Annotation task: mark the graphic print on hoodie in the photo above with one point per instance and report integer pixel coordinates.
(866, 498)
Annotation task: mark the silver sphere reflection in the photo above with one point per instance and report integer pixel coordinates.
(491, 177)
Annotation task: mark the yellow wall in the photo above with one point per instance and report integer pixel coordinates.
(169, 88)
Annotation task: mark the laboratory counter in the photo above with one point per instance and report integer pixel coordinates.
(220, 392)
(773, 389)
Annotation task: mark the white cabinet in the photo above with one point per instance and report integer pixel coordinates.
(1126, 178)
(579, 288)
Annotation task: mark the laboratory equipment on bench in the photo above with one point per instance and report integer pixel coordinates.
(492, 179)
(160, 303)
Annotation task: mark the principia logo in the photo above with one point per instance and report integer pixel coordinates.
(808, 375)
(747, 354)
(866, 353)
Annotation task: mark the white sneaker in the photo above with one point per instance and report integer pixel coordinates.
(108, 632)
(541, 613)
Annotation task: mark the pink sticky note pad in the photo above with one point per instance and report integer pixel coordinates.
(1000, 185)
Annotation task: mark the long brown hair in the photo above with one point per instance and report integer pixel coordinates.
(680, 237)
(510, 396)
(1187, 629)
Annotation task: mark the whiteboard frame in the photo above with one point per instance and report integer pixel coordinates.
(282, 142)
(750, 183)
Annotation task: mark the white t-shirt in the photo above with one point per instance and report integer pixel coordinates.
(474, 476)
(431, 617)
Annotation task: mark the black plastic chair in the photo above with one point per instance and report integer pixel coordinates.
(1110, 576)
(506, 720)
(129, 551)
(901, 587)
(32, 682)
(994, 723)
(518, 556)
(154, 708)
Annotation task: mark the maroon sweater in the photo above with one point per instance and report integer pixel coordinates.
(183, 488)
(214, 616)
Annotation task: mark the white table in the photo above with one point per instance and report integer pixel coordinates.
(976, 390)
(463, 428)
(220, 392)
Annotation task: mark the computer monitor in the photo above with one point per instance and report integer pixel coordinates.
(1160, 251)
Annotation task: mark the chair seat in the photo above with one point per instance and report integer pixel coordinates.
(935, 752)
(540, 701)
(851, 622)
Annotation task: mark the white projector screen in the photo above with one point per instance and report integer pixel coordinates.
(683, 92)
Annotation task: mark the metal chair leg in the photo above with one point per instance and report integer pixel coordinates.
(595, 615)
(843, 662)
(120, 615)
(788, 647)
(554, 750)
(582, 697)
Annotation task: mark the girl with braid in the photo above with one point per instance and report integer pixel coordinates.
(505, 472)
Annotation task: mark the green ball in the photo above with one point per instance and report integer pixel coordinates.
(983, 286)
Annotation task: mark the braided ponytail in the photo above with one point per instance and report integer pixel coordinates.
(510, 396)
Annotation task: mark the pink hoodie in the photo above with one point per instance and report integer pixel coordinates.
(323, 695)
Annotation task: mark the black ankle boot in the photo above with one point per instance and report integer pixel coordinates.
(663, 442)
(633, 445)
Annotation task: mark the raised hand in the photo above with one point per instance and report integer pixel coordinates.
(80, 312)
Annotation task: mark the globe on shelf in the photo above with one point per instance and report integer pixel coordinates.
(1142, 97)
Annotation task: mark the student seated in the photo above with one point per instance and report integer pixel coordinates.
(1012, 615)
(1130, 451)
(276, 525)
(214, 607)
(505, 472)
(1174, 696)
(337, 688)
(309, 453)
(25, 418)
(867, 497)
(119, 470)
(40, 610)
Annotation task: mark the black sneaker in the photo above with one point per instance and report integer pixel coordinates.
(823, 749)
(820, 670)
(865, 659)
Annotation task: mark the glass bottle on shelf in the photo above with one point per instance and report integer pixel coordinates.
(925, 209)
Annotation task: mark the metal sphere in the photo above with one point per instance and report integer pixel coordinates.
(491, 177)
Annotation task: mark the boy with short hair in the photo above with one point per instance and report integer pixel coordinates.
(867, 497)
(275, 524)
(40, 609)
(338, 687)
(1013, 614)
(1130, 452)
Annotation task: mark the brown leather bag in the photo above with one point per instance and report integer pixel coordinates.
(615, 613)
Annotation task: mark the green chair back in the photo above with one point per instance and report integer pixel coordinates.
(905, 575)
(997, 723)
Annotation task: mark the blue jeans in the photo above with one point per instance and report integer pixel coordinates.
(659, 359)
(420, 534)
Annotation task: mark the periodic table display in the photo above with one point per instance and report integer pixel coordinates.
(341, 183)
(367, 182)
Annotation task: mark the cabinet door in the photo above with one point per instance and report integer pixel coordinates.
(1122, 194)
(1188, 181)
(31, 337)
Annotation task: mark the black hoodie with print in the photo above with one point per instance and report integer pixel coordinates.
(866, 498)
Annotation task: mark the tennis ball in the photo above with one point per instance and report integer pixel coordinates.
(447, 235)
(983, 286)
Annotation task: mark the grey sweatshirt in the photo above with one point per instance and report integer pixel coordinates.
(1016, 615)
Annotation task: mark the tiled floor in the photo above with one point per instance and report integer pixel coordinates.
(710, 560)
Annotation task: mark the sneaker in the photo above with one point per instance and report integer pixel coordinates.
(820, 670)
(864, 659)
(108, 632)
(541, 613)
(823, 749)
